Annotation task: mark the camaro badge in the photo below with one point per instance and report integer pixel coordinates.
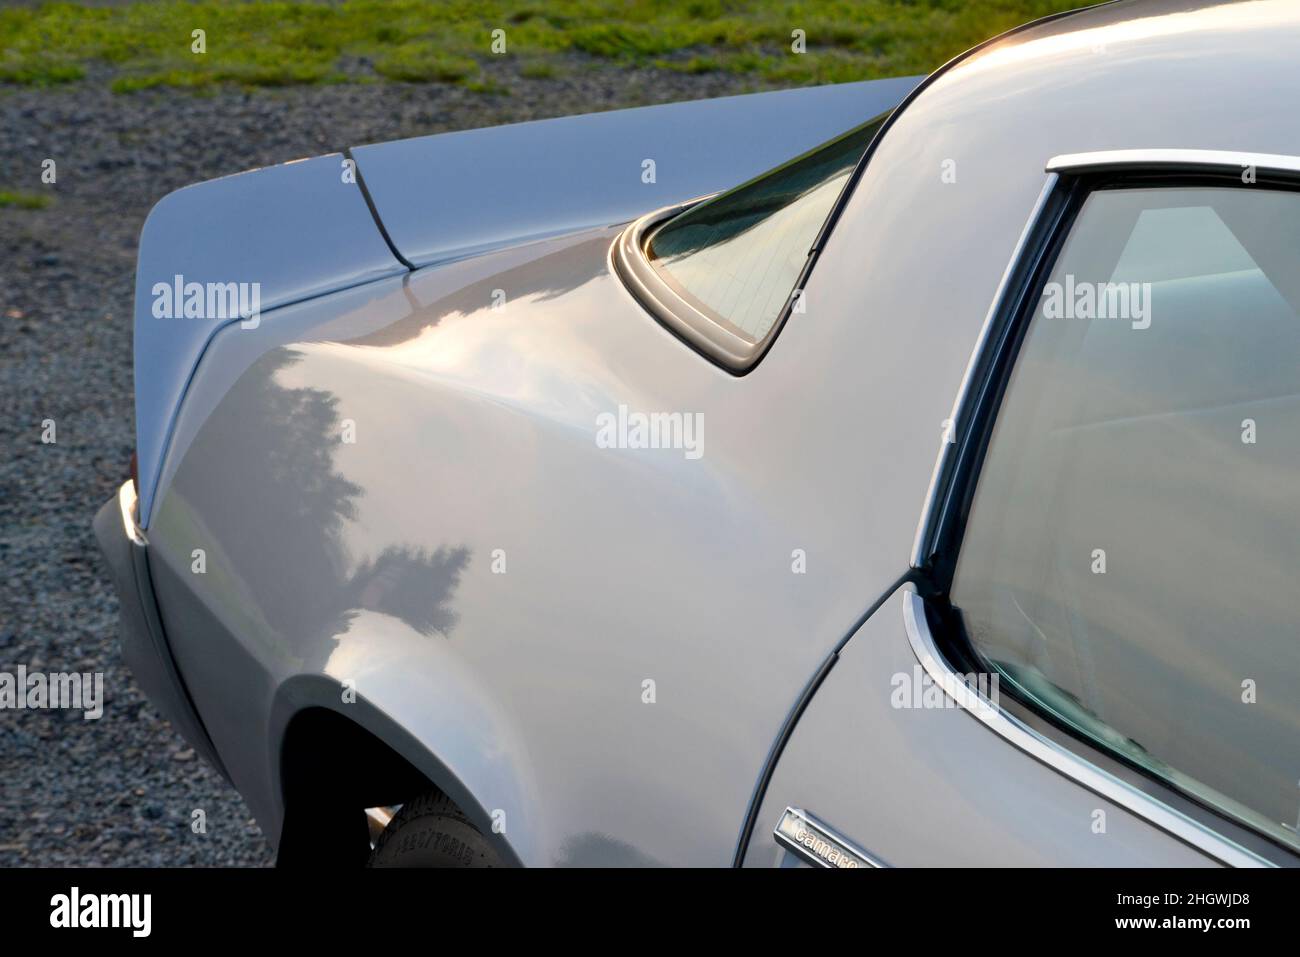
(800, 832)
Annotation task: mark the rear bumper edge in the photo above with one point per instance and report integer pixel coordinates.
(144, 644)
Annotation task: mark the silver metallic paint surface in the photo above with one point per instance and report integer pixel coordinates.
(297, 229)
(931, 787)
(623, 565)
(475, 430)
(300, 229)
(448, 195)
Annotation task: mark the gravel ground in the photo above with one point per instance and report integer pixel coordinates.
(121, 790)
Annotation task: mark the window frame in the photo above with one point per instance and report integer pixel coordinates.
(713, 336)
(932, 626)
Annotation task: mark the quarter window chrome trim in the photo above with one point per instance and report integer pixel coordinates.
(818, 844)
(1171, 158)
(1048, 752)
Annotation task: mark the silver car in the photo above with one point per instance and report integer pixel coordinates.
(897, 473)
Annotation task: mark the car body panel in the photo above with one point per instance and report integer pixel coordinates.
(1103, 79)
(527, 685)
(932, 787)
(302, 229)
(144, 643)
(371, 561)
(454, 194)
(297, 229)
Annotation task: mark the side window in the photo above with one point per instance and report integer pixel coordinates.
(1131, 554)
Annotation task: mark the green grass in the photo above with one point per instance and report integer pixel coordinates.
(539, 69)
(422, 61)
(289, 42)
(16, 200)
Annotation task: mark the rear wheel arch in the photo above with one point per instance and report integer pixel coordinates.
(335, 760)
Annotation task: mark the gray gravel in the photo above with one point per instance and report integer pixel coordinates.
(121, 790)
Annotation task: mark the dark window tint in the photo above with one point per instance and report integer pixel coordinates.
(1130, 561)
(737, 257)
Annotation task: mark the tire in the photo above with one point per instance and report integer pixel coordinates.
(430, 831)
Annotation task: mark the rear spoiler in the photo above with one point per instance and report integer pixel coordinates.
(232, 249)
(456, 194)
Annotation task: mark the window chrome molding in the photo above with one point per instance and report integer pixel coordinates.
(1166, 159)
(961, 407)
(1060, 759)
